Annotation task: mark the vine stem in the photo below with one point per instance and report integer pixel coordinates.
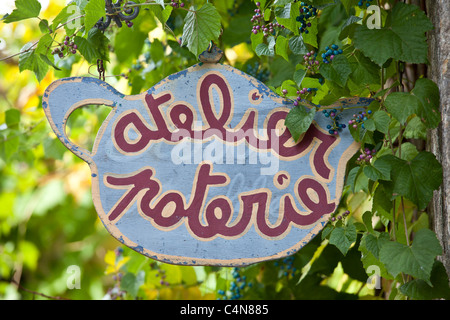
(35, 43)
(21, 52)
(404, 222)
(31, 291)
(152, 4)
(394, 235)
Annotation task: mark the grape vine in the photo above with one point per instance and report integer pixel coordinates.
(311, 53)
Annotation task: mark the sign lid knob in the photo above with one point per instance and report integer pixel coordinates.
(212, 55)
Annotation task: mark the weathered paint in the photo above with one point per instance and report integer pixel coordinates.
(201, 170)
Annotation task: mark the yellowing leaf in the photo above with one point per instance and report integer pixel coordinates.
(122, 262)
(110, 258)
(110, 270)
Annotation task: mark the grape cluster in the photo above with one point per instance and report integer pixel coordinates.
(115, 292)
(306, 13)
(358, 119)
(286, 266)
(176, 4)
(331, 53)
(160, 273)
(238, 284)
(311, 62)
(366, 156)
(259, 23)
(267, 29)
(301, 94)
(65, 48)
(340, 217)
(363, 3)
(335, 127)
(257, 72)
(257, 19)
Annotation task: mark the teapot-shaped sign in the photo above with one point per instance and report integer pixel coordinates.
(201, 170)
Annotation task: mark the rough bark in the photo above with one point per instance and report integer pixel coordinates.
(439, 140)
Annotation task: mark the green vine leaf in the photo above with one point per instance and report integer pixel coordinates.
(364, 71)
(95, 10)
(31, 60)
(421, 290)
(416, 260)
(25, 9)
(94, 46)
(343, 237)
(287, 15)
(416, 179)
(423, 101)
(338, 71)
(415, 129)
(201, 26)
(62, 17)
(299, 120)
(281, 47)
(428, 94)
(256, 40)
(299, 75)
(268, 49)
(381, 120)
(402, 105)
(297, 45)
(132, 282)
(402, 38)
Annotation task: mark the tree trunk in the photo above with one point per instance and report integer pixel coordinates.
(439, 140)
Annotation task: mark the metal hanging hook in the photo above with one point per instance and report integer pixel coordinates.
(114, 11)
(210, 47)
(212, 54)
(100, 69)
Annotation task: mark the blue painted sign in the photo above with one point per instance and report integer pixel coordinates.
(201, 170)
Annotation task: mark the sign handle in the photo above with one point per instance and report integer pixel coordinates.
(64, 96)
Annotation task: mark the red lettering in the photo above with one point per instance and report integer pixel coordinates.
(182, 117)
(170, 209)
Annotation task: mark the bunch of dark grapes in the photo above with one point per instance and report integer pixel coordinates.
(258, 72)
(335, 127)
(331, 53)
(259, 24)
(311, 62)
(237, 286)
(176, 4)
(306, 13)
(364, 3)
(66, 48)
(286, 266)
(366, 156)
(340, 217)
(358, 119)
(160, 273)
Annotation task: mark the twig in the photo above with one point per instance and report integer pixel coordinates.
(21, 52)
(405, 225)
(31, 291)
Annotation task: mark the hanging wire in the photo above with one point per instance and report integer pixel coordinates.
(210, 47)
(100, 69)
(102, 72)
